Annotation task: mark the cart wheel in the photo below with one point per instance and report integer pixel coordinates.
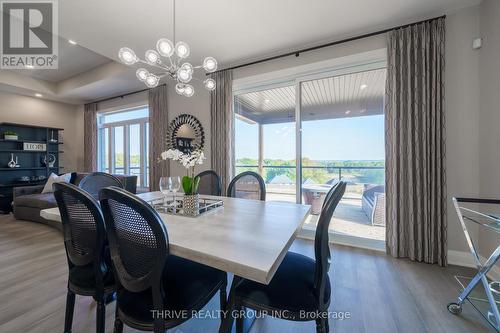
(455, 308)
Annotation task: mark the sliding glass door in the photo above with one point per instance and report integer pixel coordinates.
(342, 138)
(305, 135)
(265, 139)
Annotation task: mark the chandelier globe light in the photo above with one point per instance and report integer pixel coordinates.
(168, 60)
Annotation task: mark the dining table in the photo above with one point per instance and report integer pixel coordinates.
(248, 238)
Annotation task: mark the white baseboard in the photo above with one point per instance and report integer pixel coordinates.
(458, 258)
(464, 259)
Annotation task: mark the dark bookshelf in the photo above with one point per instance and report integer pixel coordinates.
(31, 163)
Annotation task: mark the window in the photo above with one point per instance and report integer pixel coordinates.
(301, 146)
(123, 143)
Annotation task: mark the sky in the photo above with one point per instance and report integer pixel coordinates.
(357, 138)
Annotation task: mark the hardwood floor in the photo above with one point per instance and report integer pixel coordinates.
(381, 294)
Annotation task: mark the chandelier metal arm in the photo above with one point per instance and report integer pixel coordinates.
(176, 52)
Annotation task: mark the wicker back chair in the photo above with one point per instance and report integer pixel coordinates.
(210, 183)
(96, 181)
(148, 276)
(90, 272)
(321, 243)
(300, 289)
(247, 185)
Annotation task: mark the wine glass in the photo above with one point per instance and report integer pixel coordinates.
(175, 186)
(165, 186)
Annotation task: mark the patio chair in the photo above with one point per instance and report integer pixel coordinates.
(373, 204)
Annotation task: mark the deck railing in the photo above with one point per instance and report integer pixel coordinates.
(356, 177)
(330, 169)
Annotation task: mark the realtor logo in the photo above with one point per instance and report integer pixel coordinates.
(29, 34)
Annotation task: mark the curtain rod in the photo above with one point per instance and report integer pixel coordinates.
(313, 48)
(124, 95)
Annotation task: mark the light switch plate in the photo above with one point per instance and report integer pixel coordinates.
(477, 43)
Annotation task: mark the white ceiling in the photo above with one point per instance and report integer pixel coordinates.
(232, 31)
(352, 95)
(73, 60)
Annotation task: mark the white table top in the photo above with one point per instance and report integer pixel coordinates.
(246, 237)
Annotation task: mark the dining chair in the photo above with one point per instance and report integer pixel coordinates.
(247, 185)
(89, 263)
(94, 182)
(155, 289)
(300, 289)
(210, 183)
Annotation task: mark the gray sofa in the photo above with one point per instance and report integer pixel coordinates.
(29, 200)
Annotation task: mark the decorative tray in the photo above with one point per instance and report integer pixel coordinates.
(168, 206)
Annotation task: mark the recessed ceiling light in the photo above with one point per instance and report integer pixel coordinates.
(38, 95)
(71, 42)
(348, 111)
(267, 101)
(30, 66)
(363, 86)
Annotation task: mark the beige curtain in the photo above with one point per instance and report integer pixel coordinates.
(90, 137)
(158, 125)
(415, 143)
(222, 127)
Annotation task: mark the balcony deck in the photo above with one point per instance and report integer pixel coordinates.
(348, 219)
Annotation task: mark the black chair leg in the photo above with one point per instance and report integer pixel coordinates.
(70, 307)
(239, 318)
(223, 297)
(321, 325)
(101, 316)
(118, 322)
(228, 320)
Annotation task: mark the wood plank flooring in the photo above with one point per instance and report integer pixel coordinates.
(381, 294)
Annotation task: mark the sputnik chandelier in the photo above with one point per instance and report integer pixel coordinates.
(175, 53)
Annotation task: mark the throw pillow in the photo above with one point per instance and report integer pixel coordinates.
(53, 178)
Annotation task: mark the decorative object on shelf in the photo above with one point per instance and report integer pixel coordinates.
(12, 163)
(30, 146)
(190, 183)
(10, 135)
(52, 140)
(27, 169)
(50, 159)
(172, 68)
(185, 133)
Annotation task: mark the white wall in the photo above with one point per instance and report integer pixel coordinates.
(462, 120)
(342, 50)
(36, 111)
(489, 118)
(126, 102)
